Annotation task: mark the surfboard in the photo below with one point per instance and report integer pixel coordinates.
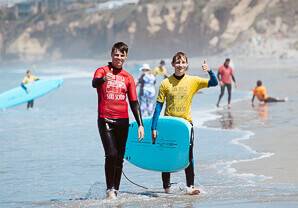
(170, 152)
(19, 95)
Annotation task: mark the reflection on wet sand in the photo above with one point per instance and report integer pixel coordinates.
(227, 120)
(262, 110)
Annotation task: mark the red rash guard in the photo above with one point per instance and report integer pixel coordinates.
(112, 93)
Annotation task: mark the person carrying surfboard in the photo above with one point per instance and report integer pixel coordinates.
(177, 91)
(29, 78)
(114, 85)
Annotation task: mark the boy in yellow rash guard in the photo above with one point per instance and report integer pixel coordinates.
(177, 91)
(29, 78)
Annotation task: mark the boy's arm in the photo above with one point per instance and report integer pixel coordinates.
(23, 86)
(252, 100)
(218, 76)
(136, 110)
(158, 108)
(234, 80)
(212, 81)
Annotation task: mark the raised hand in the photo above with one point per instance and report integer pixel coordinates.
(205, 66)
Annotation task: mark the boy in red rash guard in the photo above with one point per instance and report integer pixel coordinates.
(114, 85)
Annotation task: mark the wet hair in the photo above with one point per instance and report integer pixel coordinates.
(259, 83)
(122, 47)
(162, 62)
(178, 56)
(227, 60)
(28, 71)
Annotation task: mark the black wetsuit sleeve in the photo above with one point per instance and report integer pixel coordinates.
(233, 78)
(96, 82)
(136, 110)
(23, 86)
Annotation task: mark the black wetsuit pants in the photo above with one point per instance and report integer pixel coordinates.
(222, 92)
(273, 100)
(30, 104)
(189, 171)
(113, 133)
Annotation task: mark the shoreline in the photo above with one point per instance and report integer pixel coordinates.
(269, 162)
(274, 125)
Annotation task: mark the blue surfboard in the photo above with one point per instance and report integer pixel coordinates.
(35, 90)
(170, 152)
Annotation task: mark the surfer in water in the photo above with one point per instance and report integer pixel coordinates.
(177, 91)
(114, 85)
(29, 78)
(260, 92)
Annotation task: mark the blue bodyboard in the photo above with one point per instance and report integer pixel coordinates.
(36, 89)
(170, 152)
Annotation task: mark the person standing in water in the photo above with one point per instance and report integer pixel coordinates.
(114, 86)
(147, 90)
(260, 92)
(225, 76)
(29, 78)
(161, 69)
(178, 91)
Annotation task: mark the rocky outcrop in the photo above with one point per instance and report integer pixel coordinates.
(155, 29)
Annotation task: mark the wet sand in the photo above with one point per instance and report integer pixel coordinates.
(275, 126)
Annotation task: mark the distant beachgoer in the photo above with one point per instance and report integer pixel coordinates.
(177, 91)
(115, 86)
(225, 76)
(260, 92)
(147, 90)
(29, 78)
(161, 69)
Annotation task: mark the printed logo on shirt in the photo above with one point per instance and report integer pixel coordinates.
(116, 88)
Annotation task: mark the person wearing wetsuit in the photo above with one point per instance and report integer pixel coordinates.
(29, 78)
(225, 76)
(260, 92)
(114, 85)
(178, 91)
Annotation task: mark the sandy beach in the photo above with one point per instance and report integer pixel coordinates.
(274, 125)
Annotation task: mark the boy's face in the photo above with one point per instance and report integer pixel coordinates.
(118, 58)
(180, 66)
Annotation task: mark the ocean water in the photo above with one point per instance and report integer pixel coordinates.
(51, 156)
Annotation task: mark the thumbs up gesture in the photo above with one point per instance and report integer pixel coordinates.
(205, 66)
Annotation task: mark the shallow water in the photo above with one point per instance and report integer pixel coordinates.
(52, 156)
